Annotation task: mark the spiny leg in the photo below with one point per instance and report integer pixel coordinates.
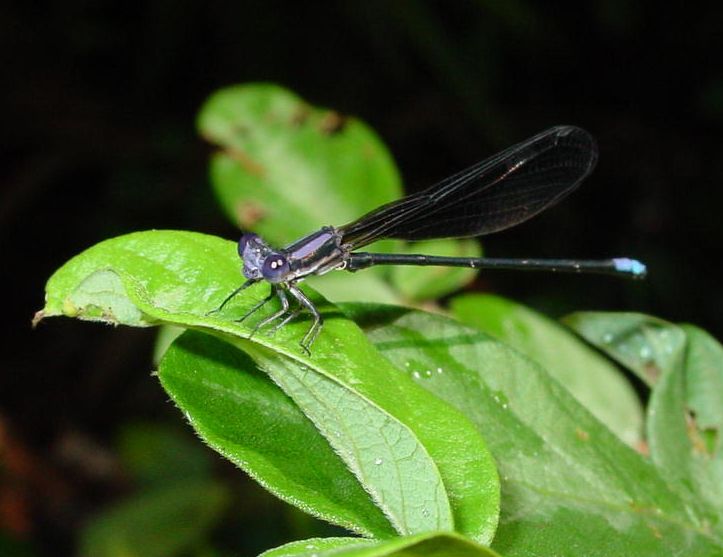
(244, 286)
(316, 326)
(284, 308)
(293, 315)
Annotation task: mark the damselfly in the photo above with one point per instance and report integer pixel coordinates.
(497, 193)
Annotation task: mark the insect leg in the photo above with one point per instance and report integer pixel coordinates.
(288, 318)
(244, 286)
(284, 308)
(257, 306)
(316, 326)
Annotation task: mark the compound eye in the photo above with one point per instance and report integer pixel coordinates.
(275, 268)
(243, 242)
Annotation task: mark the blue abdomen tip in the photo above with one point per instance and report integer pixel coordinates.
(632, 266)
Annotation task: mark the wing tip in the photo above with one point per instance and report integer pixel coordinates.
(583, 139)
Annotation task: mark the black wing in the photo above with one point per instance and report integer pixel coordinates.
(492, 195)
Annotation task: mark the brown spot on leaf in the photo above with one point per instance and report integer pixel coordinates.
(642, 447)
(248, 213)
(368, 151)
(582, 434)
(652, 372)
(249, 165)
(332, 122)
(300, 116)
(697, 436)
(240, 130)
(107, 316)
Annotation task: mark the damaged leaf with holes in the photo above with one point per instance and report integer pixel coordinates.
(684, 367)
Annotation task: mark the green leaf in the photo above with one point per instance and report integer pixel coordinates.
(243, 415)
(704, 382)
(166, 335)
(163, 523)
(704, 399)
(567, 482)
(382, 452)
(685, 367)
(322, 547)
(678, 444)
(142, 269)
(673, 437)
(429, 283)
(423, 545)
(101, 296)
(285, 168)
(591, 379)
(286, 220)
(646, 345)
(177, 277)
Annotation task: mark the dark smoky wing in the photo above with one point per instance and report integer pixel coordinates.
(495, 194)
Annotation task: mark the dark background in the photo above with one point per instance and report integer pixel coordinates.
(98, 140)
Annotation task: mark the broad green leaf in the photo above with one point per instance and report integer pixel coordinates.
(177, 277)
(279, 230)
(428, 283)
(591, 379)
(162, 523)
(381, 451)
(285, 168)
(422, 545)
(646, 345)
(243, 415)
(568, 484)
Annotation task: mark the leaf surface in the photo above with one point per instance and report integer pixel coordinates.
(242, 414)
(568, 483)
(685, 368)
(177, 277)
(591, 379)
(646, 345)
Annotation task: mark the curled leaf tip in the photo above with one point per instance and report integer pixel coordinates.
(38, 317)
